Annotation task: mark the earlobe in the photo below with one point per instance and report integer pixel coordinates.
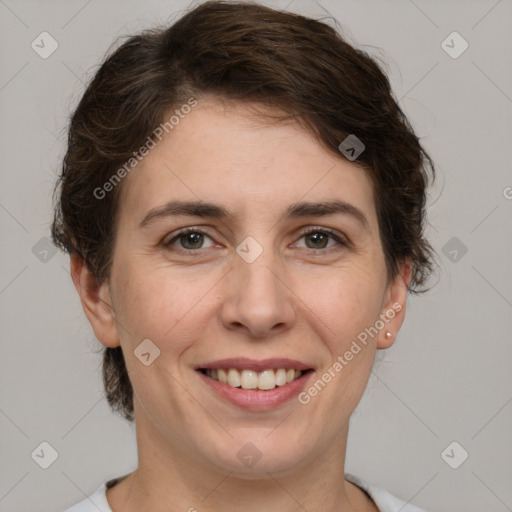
(96, 302)
(393, 312)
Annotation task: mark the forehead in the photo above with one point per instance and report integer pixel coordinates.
(224, 153)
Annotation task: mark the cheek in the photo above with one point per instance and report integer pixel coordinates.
(349, 303)
(348, 307)
(165, 307)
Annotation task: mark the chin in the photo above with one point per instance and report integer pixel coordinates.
(252, 455)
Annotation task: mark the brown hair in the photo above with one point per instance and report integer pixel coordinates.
(252, 53)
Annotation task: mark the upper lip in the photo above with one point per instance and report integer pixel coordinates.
(243, 363)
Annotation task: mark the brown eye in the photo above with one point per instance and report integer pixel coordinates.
(189, 240)
(319, 239)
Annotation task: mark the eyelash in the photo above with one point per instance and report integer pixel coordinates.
(326, 231)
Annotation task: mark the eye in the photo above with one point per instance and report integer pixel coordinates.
(190, 239)
(318, 238)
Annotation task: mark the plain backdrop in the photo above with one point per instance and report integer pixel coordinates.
(447, 378)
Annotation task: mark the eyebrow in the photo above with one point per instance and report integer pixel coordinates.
(214, 211)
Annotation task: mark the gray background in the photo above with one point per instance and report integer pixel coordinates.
(447, 378)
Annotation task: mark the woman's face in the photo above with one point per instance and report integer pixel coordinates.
(247, 284)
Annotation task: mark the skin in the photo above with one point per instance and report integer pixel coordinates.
(301, 298)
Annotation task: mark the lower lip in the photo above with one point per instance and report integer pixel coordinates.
(257, 400)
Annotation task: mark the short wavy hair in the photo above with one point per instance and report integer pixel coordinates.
(298, 67)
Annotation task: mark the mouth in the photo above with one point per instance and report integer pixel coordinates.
(246, 379)
(255, 385)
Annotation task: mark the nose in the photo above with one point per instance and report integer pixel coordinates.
(258, 301)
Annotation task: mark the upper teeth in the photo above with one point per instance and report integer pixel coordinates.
(250, 379)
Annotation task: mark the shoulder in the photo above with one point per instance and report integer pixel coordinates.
(384, 500)
(96, 502)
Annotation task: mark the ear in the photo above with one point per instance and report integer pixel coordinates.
(393, 312)
(96, 302)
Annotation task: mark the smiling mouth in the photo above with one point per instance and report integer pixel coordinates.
(265, 380)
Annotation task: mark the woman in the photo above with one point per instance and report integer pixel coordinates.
(243, 204)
